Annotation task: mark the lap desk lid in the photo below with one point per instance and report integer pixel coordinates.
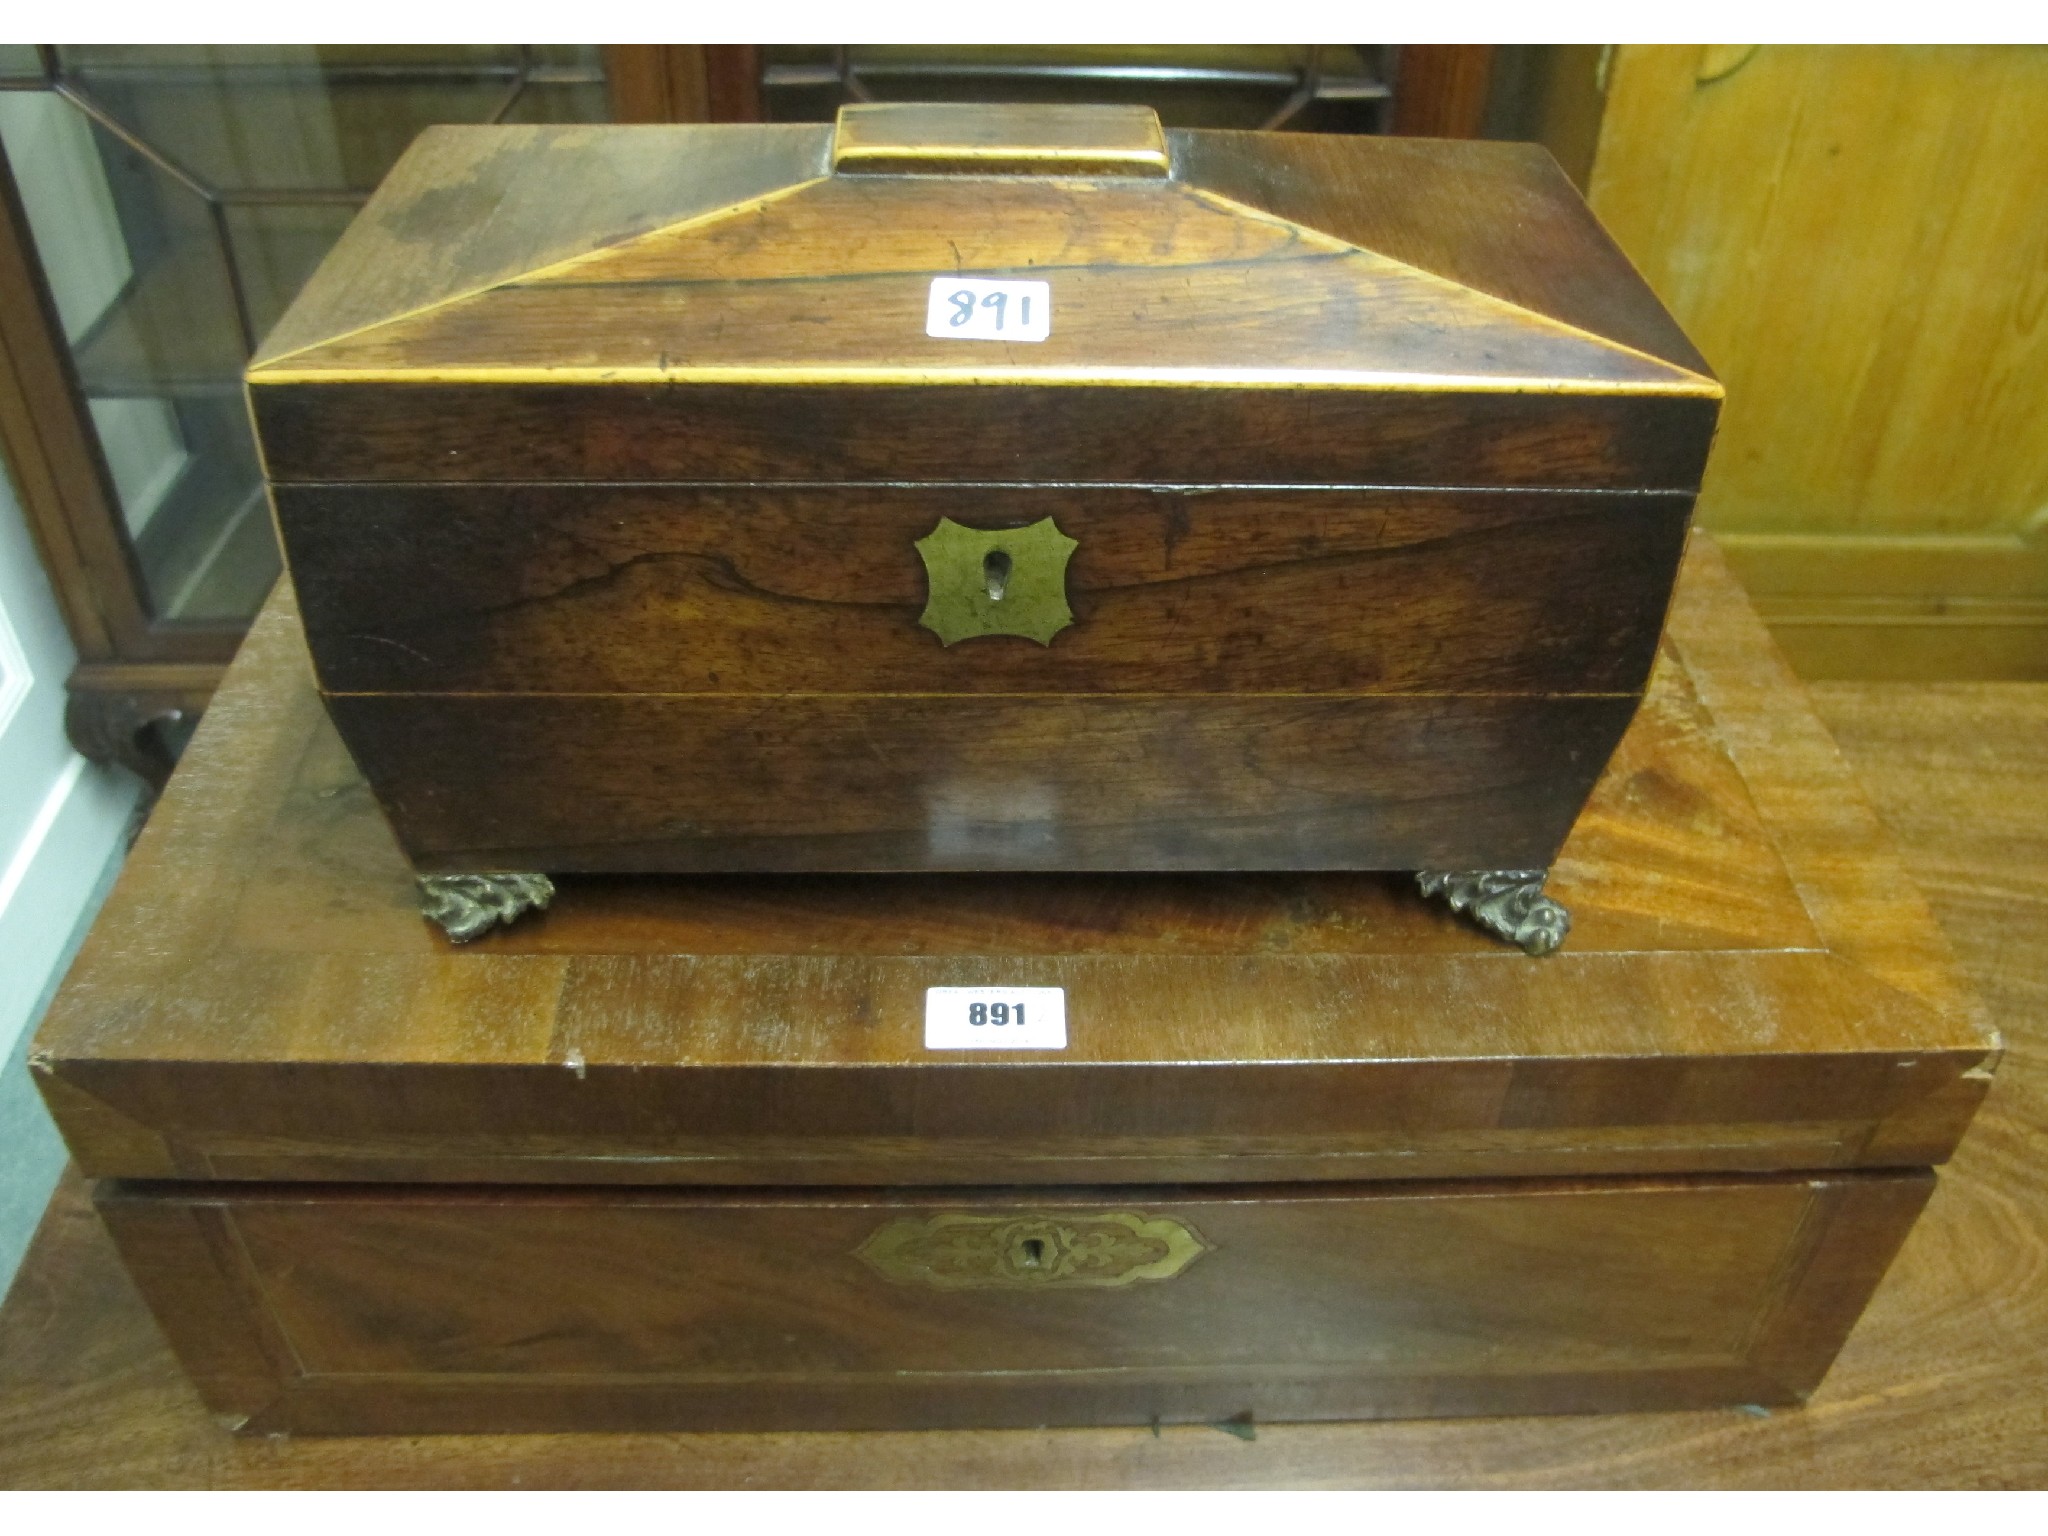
(1752, 985)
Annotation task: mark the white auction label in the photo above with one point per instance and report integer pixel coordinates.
(995, 1018)
(988, 309)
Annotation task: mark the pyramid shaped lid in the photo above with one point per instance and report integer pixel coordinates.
(800, 254)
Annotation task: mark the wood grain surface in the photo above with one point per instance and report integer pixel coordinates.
(1872, 297)
(803, 590)
(739, 679)
(858, 227)
(1282, 304)
(1751, 985)
(358, 1310)
(517, 196)
(1943, 1383)
(761, 783)
(1124, 434)
(1501, 223)
(1200, 335)
(1153, 276)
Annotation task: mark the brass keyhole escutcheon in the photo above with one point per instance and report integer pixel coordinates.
(996, 581)
(1032, 1250)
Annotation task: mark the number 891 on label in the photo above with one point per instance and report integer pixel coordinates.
(995, 1018)
(988, 309)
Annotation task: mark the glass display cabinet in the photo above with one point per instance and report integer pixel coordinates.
(160, 206)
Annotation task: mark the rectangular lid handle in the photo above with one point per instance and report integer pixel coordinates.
(961, 139)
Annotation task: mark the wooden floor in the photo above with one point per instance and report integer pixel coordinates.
(1945, 1382)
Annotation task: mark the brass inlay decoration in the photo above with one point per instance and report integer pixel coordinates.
(1685, 386)
(999, 581)
(956, 1251)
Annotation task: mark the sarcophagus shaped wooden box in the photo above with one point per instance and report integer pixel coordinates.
(979, 488)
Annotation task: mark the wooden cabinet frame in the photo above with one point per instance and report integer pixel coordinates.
(135, 675)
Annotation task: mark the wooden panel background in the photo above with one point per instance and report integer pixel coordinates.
(1857, 239)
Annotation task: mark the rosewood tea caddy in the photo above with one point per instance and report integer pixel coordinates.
(979, 489)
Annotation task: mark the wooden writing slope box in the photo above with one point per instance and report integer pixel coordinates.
(674, 1153)
(638, 523)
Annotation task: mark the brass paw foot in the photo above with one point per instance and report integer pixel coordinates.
(1507, 902)
(467, 906)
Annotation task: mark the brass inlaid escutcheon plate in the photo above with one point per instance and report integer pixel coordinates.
(958, 1251)
(999, 581)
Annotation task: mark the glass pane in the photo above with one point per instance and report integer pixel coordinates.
(178, 205)
(273, 119)
(277, 246)
(19, 61)
(561, 101)
(145, 299)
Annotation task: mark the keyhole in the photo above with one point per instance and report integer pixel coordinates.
(1034, 1252)
(995, 573)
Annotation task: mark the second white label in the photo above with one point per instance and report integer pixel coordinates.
(988, 309)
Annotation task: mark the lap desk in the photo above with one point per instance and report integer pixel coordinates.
(675, 1153)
